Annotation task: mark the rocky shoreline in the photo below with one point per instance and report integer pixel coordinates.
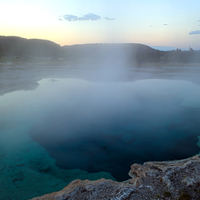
(179, 179)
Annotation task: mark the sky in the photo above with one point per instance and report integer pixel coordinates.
(171, 23)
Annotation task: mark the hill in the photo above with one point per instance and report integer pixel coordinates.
(21, 49)
(129, 52)
(112, 52)
(16, 47)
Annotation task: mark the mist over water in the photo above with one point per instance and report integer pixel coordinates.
(105, 123)
(107, 126)
(92, 107)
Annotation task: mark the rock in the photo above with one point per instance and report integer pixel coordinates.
(152, 180)
(100, 189)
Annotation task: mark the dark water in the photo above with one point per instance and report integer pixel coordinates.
(109, 126)
(94, 126)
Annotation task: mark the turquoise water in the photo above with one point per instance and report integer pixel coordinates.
(101, 126)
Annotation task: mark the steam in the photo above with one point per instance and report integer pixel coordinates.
(99, 121)
(105, 126)
(108, 126)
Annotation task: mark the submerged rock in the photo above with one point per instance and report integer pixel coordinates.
(152, 180)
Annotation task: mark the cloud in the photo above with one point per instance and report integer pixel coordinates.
(194, 32)
(165, 24)
(109, 19)
(89, 16)
(70, 18)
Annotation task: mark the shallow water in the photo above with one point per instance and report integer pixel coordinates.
(104, 126)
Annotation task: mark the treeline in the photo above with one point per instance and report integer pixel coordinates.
(16, 47)
(179, 56)
(112, 52)
(26, 49)
(137, 53)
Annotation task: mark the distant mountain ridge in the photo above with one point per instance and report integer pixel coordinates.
(130, 53)
(20, 47)
(12, 47)
(110, 52)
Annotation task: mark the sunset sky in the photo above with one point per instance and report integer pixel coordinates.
(174, 23)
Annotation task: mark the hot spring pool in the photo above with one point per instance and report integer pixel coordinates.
(107, 126)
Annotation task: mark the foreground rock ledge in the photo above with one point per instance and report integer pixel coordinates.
(178, 179)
